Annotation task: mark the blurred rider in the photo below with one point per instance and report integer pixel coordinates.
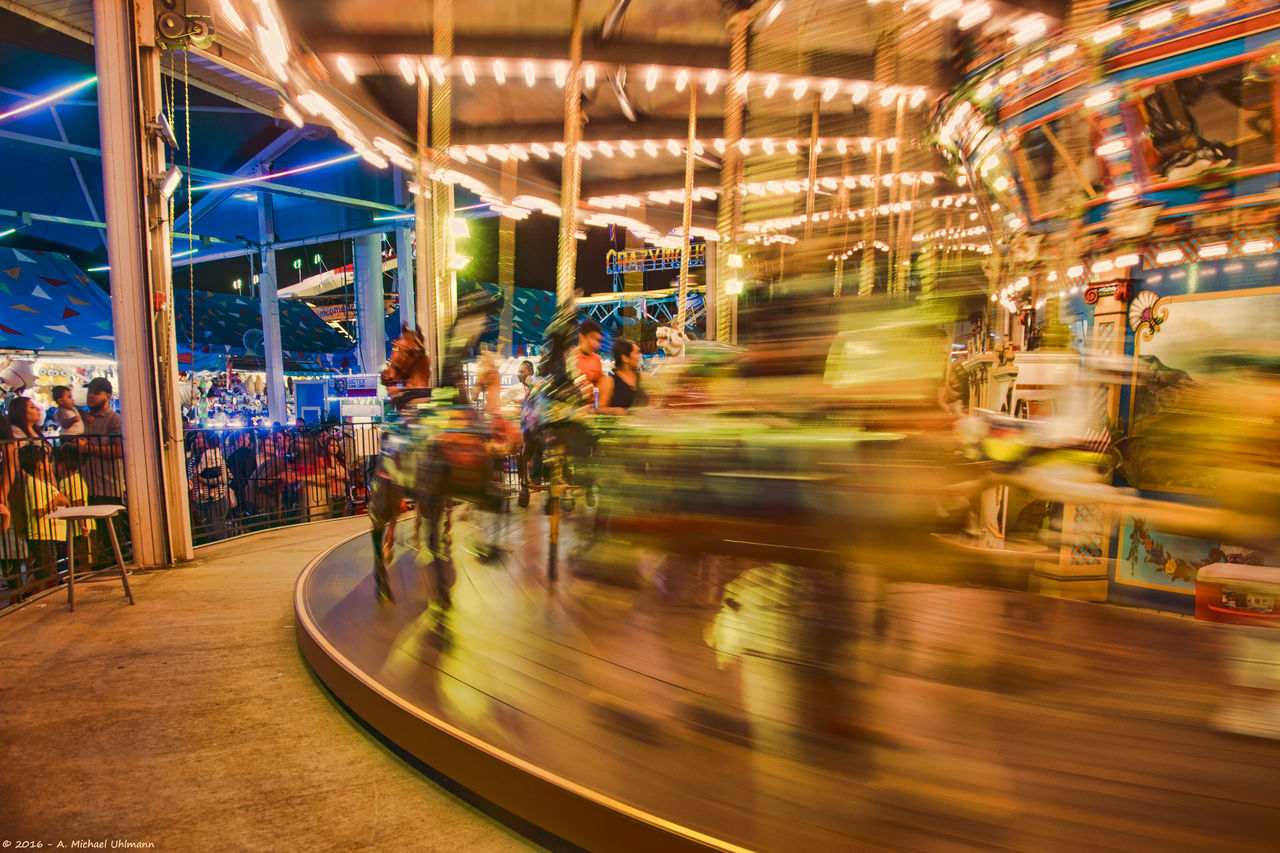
(588, 353)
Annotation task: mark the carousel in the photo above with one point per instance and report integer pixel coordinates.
(730, 622)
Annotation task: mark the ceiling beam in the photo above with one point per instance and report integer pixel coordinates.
(629, 51)
(266, 154)
(84, 152)
(89, 223)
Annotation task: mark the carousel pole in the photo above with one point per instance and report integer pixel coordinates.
(567, 255)
(507, 261)
(687, 215)
(811, 194)
(424, 269)
(571, 166)
(885, 70)
(895, 218)
(729, 210)
(446, 290)
(842, 211)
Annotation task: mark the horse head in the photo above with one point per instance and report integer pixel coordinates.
(408, 362)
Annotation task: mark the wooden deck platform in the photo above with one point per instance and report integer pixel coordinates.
(819, 712)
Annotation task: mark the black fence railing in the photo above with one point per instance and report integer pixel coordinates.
(239, 481)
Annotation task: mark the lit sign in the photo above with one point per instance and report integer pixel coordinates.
(644, 260)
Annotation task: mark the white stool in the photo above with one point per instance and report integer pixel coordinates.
(89, 513)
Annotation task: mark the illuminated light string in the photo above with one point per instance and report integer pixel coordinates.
(673, 147)
(531, 70)
(28, 106)
(257, 179)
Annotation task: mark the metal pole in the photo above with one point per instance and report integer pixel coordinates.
(371, 302)
(682, 294)
(404, 258)
(729, 211)
(424, 298)
(446, 290)
(571, 166)
(507, 261)
(125, 179)
(709, 296)
(272, 352)
(811, 194)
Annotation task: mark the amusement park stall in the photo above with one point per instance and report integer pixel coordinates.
(1125, 172)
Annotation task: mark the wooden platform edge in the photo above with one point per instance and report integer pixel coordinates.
(572, 812)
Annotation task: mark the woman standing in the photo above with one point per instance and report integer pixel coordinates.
(25, 418)
(207, 477)
(620, 390)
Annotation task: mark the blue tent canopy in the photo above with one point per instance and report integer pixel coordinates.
(48, 305)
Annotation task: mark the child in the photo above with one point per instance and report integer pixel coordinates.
(71, 484)
(42, 497)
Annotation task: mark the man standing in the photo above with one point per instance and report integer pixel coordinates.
(103, 468)
(66, 414)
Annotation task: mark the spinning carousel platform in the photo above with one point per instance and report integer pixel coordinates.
(651, 718)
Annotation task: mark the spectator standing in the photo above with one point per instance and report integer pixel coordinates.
(66, 415)
(242, 462)
(24, 419)
(208, 478)
(102, 463)
(41, 494)
(13, 547)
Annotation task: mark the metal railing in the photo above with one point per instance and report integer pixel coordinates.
(239, 481)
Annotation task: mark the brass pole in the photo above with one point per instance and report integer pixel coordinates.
(687, 215)
(507, 260)
(811, 195)
(729, 211)
(446, 290)
(571, 166)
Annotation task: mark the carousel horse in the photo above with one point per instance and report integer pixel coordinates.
(559, 420)
(441, 449)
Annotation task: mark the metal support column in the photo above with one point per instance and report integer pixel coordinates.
(272, 351)
(371, 302)
(141, 291)
(571, 166)
(404, 258)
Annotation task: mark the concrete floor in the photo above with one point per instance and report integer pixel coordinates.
(191, 721)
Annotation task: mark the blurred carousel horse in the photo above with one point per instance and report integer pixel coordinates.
(440, 450)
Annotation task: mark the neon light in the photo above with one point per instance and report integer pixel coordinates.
(7, 233)
(51, 97)
(97, 269)
(256, 179)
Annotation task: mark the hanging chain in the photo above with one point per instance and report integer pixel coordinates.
(191, 268)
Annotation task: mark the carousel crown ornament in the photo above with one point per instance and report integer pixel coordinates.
(17, 375)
